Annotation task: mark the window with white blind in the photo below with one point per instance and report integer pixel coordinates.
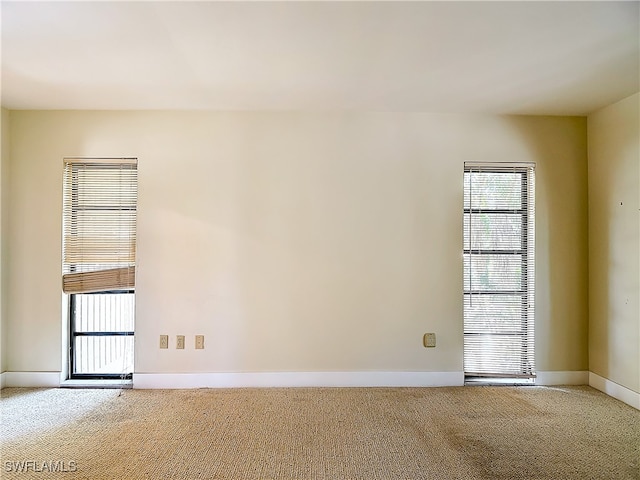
(98, 264)
(499, 234)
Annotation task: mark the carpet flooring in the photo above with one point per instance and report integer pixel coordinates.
(319, 433)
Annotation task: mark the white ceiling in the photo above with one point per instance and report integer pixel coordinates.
(557, 58)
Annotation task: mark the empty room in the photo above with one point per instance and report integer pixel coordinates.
(320, 240)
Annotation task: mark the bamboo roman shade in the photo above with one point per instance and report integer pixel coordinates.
(99, 225)
(499, 235)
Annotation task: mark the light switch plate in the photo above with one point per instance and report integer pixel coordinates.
(199, 342)
(180, 341)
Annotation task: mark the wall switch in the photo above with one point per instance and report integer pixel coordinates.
(429, 340)
(180, 341)
(164, 341)
(199, 342)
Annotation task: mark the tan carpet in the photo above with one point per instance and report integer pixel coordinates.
(322, 433)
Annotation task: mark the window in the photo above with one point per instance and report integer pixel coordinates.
(499, 234)
(98, 265)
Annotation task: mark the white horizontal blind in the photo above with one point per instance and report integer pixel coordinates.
(499, 234)
(99, 225)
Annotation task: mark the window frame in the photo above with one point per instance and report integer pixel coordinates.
(526, 291)
(109, 278)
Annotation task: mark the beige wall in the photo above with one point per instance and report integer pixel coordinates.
(298, 242)
(4, 231)
(614, 242)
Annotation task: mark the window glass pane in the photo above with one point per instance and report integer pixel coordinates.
(104, 312)
(103, 355)
(493, 190)
(492, 272)
(493, 231)
(104, 221)
(493, 313)
(104, 186)
(484, 352)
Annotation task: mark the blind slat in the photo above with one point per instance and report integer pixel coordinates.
(99, 224)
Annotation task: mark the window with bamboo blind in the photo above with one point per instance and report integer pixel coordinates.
(499, 262)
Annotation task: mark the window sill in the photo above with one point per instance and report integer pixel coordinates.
(98, 383)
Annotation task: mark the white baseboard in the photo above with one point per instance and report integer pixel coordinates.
(31, 379)
(298, 379)
(579, 377)
(2, 380)
(615, 390)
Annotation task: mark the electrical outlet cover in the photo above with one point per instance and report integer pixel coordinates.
(429, 340)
